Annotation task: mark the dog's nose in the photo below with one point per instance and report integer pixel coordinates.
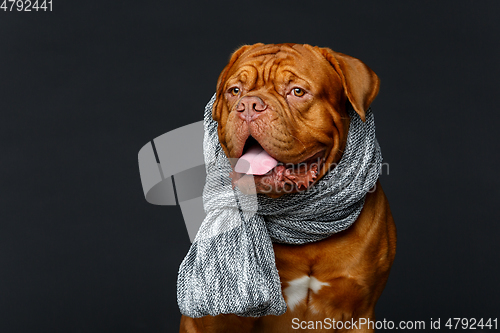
(251, 107)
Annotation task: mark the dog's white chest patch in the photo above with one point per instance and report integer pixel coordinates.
(298, 289)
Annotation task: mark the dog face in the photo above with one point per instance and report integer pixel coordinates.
(287, 102)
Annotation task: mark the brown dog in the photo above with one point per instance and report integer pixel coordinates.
(291, 99)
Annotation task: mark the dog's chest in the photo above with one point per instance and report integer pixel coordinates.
(319, 279)
(302, 291)
(307, 277)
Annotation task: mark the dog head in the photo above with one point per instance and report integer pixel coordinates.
(282, 110)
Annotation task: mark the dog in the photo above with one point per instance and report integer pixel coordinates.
(292, 100)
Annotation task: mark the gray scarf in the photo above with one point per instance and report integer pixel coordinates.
(230, 267)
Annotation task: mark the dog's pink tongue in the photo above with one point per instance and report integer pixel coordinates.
(256, 161)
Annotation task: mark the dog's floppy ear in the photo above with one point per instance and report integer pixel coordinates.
(223, 76)
(361, 84)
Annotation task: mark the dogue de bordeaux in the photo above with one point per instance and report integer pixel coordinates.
(283, 94)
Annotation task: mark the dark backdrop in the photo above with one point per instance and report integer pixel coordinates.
(84, 87)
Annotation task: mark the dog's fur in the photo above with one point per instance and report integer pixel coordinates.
(292, 100)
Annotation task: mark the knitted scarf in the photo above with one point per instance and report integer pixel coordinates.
(230, 267)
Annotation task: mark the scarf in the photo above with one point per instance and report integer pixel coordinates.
(230, 267)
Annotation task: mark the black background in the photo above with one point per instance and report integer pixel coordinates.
(84, 87)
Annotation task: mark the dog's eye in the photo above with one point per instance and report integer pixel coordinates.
(298, 92)
(235, 91)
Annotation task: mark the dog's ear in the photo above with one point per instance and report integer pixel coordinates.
(360, 83)
(223, 76)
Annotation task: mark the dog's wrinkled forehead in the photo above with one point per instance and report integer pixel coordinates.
(321, 69)
(278, 65)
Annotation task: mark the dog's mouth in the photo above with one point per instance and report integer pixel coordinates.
(272, 175)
